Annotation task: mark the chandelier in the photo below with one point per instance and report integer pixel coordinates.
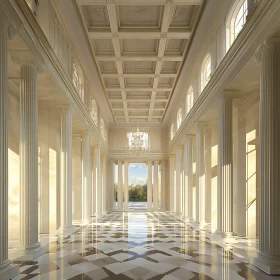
(136, 142)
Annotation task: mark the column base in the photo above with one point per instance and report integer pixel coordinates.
(225, 237)
(8, 270)
(266, 263)
(29, 253)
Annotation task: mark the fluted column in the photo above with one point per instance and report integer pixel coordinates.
(155, 192)
(150, 187)
(29, 246)
(86, 167)
(111, 195)
(66, 171)
(120, 185)
(97, 176)
(93, 183)
(200, 176)
(208, 171)
(7, 269)
(162, 187)
(268, 256)
(172, 182)
(225, 169)
(188, 178)
(126, 196)
(179, 189)
(104, 186)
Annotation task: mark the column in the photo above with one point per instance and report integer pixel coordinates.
(155, 192)
(150, 187)
(120, 186)
(179, 188)
(93, 183)
(29, 247)
(225, 169)
(104, 186)
(7, 269)
(268, 255)
(86, 191)
(97, 176)
(66, 171)
(162, 187)
(126, 196)
(187, 179)
(200, 176)
(111, 194)
(189, 175)
(208, 171)
(172, 182)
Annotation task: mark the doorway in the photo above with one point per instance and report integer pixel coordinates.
(137, 189)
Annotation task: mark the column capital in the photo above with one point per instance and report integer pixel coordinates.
(267, 45)
(156, 162)
(27, 58)
(189, 136)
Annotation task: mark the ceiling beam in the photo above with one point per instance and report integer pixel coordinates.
(138, 58)
(139, 2)
(135, 34)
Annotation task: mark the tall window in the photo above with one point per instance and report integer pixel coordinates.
(143, 135)
(240, 19)
(189, 100)
(205, 71)
(236, 20)
(179, 117)
(172, 131)
(102, 128)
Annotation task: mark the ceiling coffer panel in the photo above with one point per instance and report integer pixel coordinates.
(139, 51)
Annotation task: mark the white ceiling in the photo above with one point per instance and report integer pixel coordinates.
(139, 50)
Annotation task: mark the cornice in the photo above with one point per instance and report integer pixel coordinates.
(264, 20)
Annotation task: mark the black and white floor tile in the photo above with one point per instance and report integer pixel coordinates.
(141, 245)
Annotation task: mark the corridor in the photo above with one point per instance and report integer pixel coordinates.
(140, 245)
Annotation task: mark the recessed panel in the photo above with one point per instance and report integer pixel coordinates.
(175, 47)
(140, 16)
(139, 46)
(102, 46)
(96, 15)
(108, 67)
(138, 82)
(183, 16)
(139, 67)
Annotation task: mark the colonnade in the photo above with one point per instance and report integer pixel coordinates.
(181, 170)
(29, 247)
(155, 185)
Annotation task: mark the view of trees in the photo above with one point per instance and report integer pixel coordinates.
(136, 193)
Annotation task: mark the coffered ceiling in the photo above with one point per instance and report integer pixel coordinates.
(139, 47)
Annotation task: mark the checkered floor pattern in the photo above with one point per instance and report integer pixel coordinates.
(141, 245)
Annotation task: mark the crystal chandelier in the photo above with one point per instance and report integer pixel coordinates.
(136, 142)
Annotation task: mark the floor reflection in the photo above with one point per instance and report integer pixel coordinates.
(142, 245)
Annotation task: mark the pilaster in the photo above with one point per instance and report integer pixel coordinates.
(120, 186)
(149, 187)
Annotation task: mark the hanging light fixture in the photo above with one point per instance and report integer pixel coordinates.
(136, 141)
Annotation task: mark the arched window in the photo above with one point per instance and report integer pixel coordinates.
(205, 71)
(236, 20)
(189, 100)
(179, 117)
(172, 131)
(102, 128)
(93, 111)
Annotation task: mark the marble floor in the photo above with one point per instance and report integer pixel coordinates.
(141, 245)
